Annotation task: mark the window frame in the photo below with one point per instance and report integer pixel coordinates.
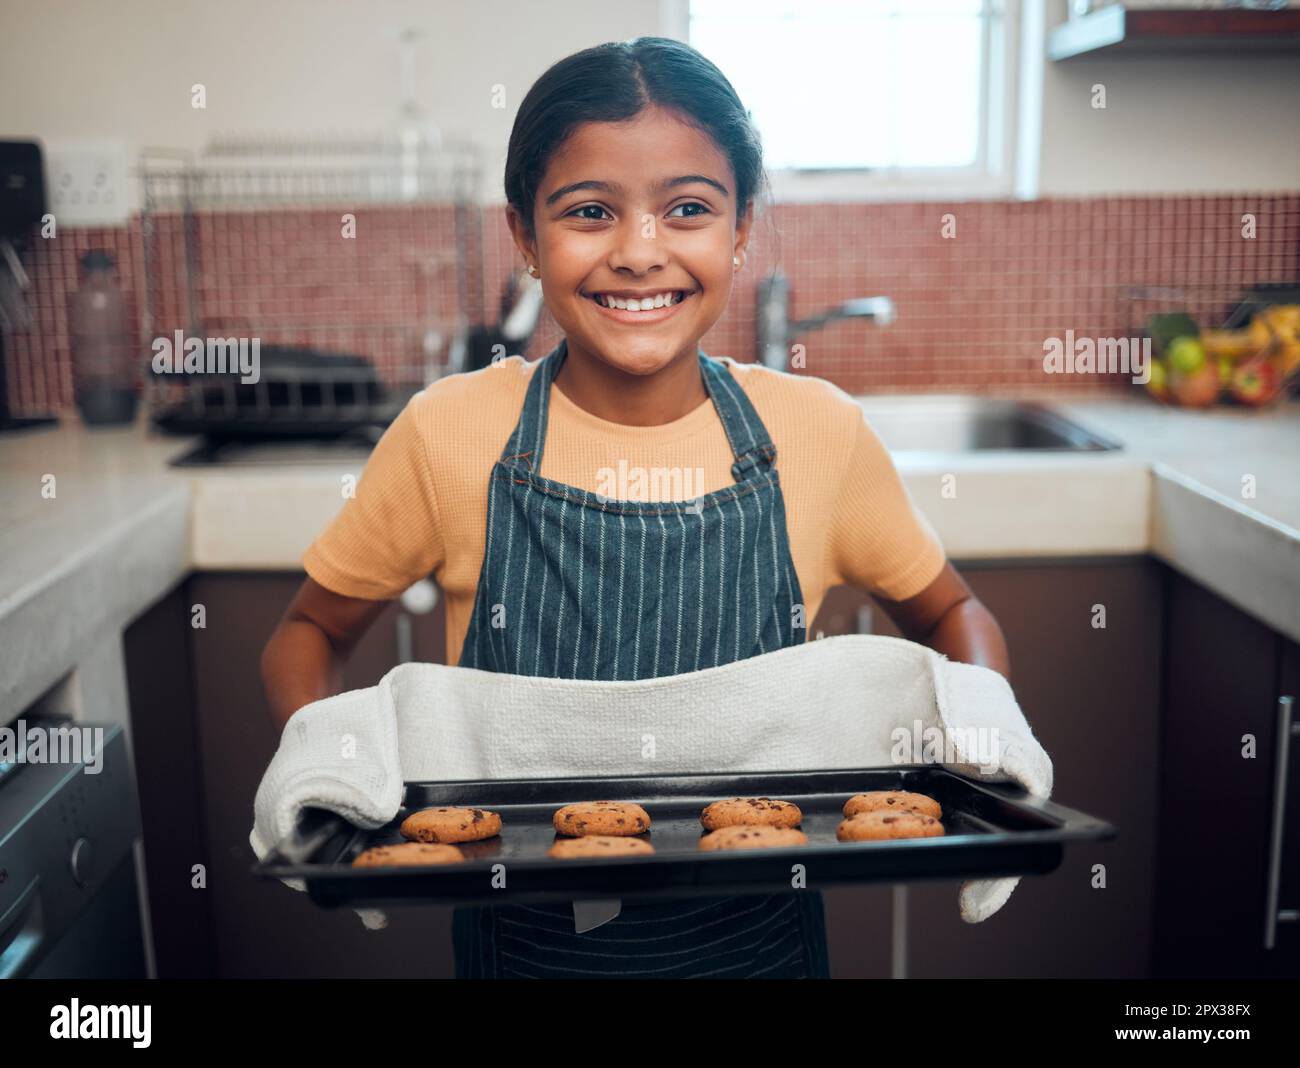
(991, 176)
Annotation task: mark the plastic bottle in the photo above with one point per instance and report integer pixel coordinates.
(103, 344)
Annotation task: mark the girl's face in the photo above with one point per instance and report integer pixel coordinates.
(636, 209)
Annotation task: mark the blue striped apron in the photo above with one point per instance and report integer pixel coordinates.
(574, 585)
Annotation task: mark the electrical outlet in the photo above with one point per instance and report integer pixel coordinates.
(86, 183)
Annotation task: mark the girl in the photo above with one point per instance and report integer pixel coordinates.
(630, 178)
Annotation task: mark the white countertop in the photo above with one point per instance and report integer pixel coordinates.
(1215, 494)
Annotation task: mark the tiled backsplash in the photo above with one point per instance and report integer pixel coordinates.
(973, 309)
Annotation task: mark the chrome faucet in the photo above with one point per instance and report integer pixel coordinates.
(776, 332)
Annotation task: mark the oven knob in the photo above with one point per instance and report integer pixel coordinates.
(82, 861)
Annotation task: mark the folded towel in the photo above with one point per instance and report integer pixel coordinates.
(844, 702)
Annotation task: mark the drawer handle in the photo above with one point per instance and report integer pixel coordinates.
(1272, 917)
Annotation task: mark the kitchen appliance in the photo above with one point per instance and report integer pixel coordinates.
(69, 897)
(992, 830)
(22, 204)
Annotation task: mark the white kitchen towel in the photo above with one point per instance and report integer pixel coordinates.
(850, 701)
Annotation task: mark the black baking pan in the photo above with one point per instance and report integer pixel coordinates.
(991, 830)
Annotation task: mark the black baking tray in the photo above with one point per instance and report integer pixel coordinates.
(993, 829)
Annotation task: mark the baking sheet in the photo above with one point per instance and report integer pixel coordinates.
(992, 829)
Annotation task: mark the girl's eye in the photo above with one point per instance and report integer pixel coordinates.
(587, 207)
(577, 212)
(703, 210)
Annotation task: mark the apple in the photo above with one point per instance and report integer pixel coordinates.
(1199, 389)
(1158, 383)
(1186, 355)
(1256, 384)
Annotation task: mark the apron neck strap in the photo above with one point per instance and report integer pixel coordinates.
(745, 431)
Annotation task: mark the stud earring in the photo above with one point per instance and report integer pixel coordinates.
(532, 270)
(735, 260)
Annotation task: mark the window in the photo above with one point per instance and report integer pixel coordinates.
(855, 97)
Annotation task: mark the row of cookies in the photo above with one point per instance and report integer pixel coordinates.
(872, 816)
(608, 828)
(431, 835)
(597, 828)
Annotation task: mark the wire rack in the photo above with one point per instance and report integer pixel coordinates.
(1211, 305)
(1219, 308)
(357, 261)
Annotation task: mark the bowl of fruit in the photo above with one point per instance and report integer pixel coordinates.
(1251, 364)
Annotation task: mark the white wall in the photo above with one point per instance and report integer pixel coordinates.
(1209, 123)
(91, 69)
(122, 69)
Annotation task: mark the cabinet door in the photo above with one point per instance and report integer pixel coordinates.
(1091, 696)
(1220, 675)
(164, 729)
(263, 928)
(1283, 957)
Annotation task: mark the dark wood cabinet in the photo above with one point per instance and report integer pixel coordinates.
(165, 736)
(1283, 957)
(1091, 696)
(1221, 790)
(1147, 722)
(206, 757)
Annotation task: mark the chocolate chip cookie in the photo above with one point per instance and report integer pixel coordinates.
(895, 800)
(408, 853)
(600, 845)
(601, 817)
(751, 811)
(752, 836)
(883, 824)
(450, 825)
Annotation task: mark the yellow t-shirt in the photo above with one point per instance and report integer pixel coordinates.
(421, 504)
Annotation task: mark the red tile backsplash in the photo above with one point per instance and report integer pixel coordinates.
(972, 311)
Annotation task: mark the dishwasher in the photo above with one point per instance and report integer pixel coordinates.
(69, 896)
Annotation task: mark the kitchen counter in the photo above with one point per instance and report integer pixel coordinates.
(1215, 494)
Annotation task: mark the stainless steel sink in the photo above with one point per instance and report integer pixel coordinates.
(974, 424)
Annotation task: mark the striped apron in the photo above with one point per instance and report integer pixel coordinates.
(578, 586)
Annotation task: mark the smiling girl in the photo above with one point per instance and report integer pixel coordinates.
(631, 178)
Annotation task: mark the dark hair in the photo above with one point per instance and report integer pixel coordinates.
(614, 82)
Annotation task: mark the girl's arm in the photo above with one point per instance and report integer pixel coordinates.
(303, 660)
(384, 538)
(950, 619)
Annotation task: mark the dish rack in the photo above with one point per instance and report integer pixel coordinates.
(356, 264)
(1249, 333)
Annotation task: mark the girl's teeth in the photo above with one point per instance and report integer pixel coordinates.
(647, 304)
